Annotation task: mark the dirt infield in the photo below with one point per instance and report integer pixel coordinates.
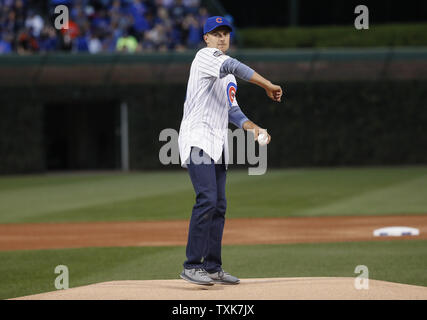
(237, 231)
(248, 289)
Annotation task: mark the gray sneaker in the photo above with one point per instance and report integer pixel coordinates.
(223, 277)
(196, 276)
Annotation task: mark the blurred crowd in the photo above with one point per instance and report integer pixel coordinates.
(27, 26)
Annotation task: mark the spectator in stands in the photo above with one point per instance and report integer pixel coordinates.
(167, 3)
(109, 43)
(193, 32)
(203, 16)
(149, 18)
(35, 22)
(138, 10)
(20, 14)
(95, 44)
(164, 18)
(73, 30)
(178, 11)
(81, 42)
(153, 24)
(232, 33)
(9, 23)
(103, 3)
(6, 43)
(115, 12)
(177, 37)
(58, 2)
(7, 3)
(101, 21)
(155, 39)
(65, 42)
(26, 42)
(124, 22)
(48, 40)
(192, 6)
(127, 43)
(3, 16)
(79, 16)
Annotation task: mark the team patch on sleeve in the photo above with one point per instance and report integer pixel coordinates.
(217, 53)
(231, 93)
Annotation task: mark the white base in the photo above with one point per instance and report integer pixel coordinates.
(396, 232)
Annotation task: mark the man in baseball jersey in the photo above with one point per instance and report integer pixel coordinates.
(203, 145)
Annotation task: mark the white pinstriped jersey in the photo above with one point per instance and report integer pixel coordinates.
(209, 97)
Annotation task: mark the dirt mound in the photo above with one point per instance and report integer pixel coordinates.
(248, 289)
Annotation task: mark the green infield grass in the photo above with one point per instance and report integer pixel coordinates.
(29, 272)
(169, 195)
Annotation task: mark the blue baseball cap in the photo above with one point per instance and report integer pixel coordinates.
(215, 22)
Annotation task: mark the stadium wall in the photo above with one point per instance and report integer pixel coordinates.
(341, 108)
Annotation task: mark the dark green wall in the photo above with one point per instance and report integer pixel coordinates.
(319, 123)
(21, 137)
(343, 123)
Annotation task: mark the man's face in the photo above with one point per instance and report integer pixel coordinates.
(218, 38)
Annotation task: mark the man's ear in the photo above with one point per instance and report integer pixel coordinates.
(205, 37)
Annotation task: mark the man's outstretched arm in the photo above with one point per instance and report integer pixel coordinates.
(273, 91)
(242, 71)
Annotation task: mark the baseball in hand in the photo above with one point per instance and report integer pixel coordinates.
(262, 139)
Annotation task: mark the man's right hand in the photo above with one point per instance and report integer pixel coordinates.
(274, 92)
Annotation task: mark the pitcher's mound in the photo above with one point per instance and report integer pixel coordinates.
(248, 289)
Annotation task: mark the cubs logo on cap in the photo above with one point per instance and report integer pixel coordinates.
(215, 22)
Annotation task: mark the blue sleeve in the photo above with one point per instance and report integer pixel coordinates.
(236, 68)
(236, 116)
